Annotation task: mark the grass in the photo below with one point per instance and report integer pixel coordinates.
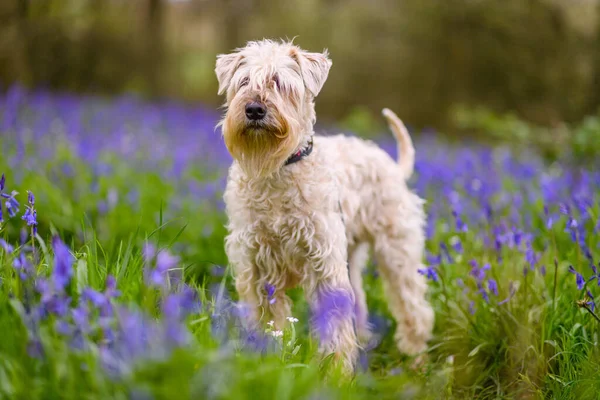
(116, 178)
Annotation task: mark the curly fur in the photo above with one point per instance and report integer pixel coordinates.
(312, 223)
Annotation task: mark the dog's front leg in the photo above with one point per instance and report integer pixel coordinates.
(331, 297)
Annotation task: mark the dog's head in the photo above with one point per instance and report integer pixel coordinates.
(270, 89)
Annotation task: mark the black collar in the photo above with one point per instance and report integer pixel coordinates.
(300, 154)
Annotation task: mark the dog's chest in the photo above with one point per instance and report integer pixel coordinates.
(278, 219)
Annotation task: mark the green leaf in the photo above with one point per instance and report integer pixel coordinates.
(476, 350)
(81, 271)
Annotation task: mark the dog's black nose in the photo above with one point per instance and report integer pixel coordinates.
(255, 111)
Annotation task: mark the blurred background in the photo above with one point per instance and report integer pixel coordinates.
(519, 70)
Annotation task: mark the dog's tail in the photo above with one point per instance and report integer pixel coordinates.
(406, 151)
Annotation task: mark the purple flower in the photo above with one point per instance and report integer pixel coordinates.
(23, 266)
(165, 262)
(270, 289)
(2, 182)
(459, 223)
(81, 318)
(96, 298)
(478, 273)
(429, 272)
(12, 205)
(457, 246)
(591, 303)
(148, 252)
(433, 260)
(7, 247)
(578, 278)
(493, 286)
(177, 306)
(63, 327)
(444, 251)
(30, 215)
(333, 308)
(63, 262)
(531, 256)
(111, 287)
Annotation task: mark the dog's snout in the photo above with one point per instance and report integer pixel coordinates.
(255, 111)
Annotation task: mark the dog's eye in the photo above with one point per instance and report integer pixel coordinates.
(244, 82)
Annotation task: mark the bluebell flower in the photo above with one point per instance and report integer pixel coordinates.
(531, 256)
(165, 262)
(63, 327)
(12, 205)
(591, 303)
(460, 225)
(333, 307)
(23, 266)
(484, 294)
(578, 278)
(63, 264)
(430, 272)
(479, 273)
(30, 215)
(270, 289)
(81, 318)
(96, 298)
(433, 260)
(2, 181)
(457, 245)
(111, 287)
(6, 246)
(493, 286)
(444, 251)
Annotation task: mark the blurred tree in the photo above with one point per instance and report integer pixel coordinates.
(154, 44)
(419, 57)
(593, 106)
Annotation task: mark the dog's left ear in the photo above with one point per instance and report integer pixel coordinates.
(226, 66)
(314, 68)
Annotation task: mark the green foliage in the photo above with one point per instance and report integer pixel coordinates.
(579, 141)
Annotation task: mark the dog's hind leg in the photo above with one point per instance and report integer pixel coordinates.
(398, 249)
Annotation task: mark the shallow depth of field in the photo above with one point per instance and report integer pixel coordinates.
(113, 278)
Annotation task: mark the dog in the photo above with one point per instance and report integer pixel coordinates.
(305, 210)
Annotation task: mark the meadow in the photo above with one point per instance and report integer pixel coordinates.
(114, 282)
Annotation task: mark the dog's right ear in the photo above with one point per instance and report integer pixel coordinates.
(227, 64)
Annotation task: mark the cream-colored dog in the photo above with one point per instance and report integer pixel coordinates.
(304, 209)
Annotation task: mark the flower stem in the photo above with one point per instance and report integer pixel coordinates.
(591, 312)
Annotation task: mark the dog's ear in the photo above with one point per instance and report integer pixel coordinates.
(226, 66)
(314, 68)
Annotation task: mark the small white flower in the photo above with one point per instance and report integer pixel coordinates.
(277, 333)
(271, 323)
(292, 319)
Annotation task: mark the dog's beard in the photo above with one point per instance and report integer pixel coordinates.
(260, 148)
